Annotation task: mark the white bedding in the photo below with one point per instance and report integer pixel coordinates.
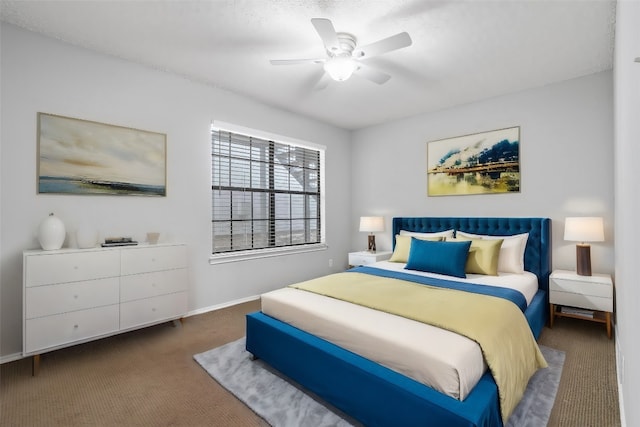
(526, 283)
(443, 360)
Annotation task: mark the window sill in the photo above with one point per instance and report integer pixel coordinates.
(265, 253)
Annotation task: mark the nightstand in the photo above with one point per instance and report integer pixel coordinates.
(366, 257)
(581, 297)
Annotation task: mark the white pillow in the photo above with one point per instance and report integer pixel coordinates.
(470, 235)
(447, 233)
(511, 258)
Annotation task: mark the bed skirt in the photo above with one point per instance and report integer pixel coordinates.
(367, 391)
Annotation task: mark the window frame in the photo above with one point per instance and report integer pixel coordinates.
(224, 257)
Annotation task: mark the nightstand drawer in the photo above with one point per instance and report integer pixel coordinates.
(583, 301)
(364, 258)
(603, 290)
(359, 259)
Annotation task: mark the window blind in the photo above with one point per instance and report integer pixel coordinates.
(265, 194)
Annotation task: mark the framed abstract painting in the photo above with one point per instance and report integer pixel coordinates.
(84, 157)
(480, 163)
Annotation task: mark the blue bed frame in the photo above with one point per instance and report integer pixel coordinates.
(378, 396)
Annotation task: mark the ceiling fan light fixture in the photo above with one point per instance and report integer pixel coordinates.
(342, 59)
(340, 68)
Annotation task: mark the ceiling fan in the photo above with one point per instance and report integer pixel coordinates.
(344, 56)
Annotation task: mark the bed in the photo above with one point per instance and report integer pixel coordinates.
(377, 395)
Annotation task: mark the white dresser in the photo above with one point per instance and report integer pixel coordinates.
(76, 295)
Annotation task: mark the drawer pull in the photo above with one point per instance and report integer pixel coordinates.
(75, 267)
(153, 309)
(75, 326)
(75, 296)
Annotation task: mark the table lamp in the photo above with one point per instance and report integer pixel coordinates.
(371, 224)
(583, 229)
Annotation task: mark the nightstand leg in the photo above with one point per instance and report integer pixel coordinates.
(608, 317)
(552, 311)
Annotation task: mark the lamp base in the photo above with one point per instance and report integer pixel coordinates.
(583, 260)
(371, 243)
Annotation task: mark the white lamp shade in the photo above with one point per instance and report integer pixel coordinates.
(340, 68)
(584, 229)
(371, 224)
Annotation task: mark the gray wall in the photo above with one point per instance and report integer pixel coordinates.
(566, 155)
(627, 154)
(41, 74)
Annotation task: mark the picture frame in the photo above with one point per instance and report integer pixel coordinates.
(78, 156)
(479, 163)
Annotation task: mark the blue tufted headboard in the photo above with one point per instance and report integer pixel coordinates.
(537, 256)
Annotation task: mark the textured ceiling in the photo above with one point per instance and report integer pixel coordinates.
(462, 51)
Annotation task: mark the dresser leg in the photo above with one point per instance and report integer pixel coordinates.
(552, 311)
(608, 317)
(35, 365)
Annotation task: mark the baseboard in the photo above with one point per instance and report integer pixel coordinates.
(10, 358)
(221, 306)
(623, 422)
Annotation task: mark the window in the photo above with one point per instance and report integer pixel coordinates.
(266, 193)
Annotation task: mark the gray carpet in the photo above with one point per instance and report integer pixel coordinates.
(282, 404)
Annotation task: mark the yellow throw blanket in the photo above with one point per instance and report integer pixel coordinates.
(497, 325)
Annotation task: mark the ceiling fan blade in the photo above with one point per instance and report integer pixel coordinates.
(371, 74)
(398, 41)
(296, 61)
(327, 33)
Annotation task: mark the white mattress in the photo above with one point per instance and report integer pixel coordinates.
(443, 360)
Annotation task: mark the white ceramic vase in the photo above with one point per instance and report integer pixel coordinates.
(51, 233)
(86, 237)
(152, 238)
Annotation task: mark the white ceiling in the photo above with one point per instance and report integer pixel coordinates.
(462, 51)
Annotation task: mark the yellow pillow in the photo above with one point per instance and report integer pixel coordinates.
(403, 245)
(483, 256)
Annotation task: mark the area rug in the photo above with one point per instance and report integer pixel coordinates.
(283, 403)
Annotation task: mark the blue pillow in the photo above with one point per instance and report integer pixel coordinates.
(447, 258)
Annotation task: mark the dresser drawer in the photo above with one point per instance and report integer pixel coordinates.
(44, 269)
(595, 289)
(151, 310)
(61, 329)
(145, 285)
(55, 299)
(155, 258)
(582, 301)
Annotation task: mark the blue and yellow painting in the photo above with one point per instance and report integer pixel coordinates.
(487, 162)
(84, 157)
